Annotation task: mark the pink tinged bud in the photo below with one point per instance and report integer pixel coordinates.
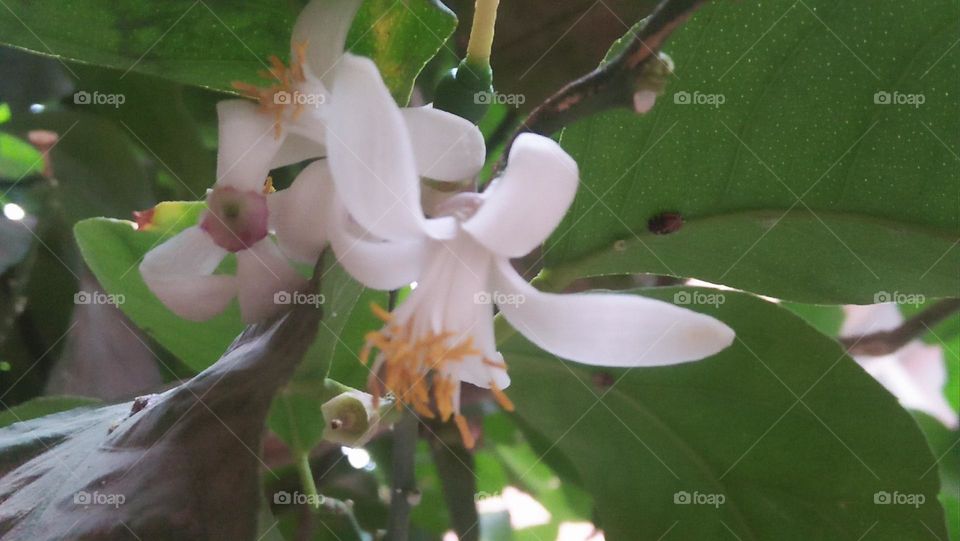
(235, 219)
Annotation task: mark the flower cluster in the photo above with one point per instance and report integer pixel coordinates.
(361, 195)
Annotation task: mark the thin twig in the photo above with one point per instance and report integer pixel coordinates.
(612, 84)
(403, 490)
(887, 342)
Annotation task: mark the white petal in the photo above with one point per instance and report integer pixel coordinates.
(299, 213)
(262, 273)
(868, 319)
(375, 263)
(370, 156)
(446, 146)
(609, 329)
(475, 370)
(323, 25)
(297, 148)
(179, 273)
(527, 203)
(912, 393)
(247, 145)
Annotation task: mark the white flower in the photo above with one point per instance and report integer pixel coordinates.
(181, 271)
(307, 106)
(310, 103)
(443, 333)
(916, 374)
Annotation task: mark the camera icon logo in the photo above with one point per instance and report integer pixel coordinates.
(282, 498)
(482, 297)
(483, 98)
(82, 498)
(282, 297)
(882, 297)
(82, 97)
(882, 498)
(282, 97)
(681, 297)
(681, 498)
(82, 297)
(681, 98)
(882, 98)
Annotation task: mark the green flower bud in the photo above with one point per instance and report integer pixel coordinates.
(350, 418)
(466, 91)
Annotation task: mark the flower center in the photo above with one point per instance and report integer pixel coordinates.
(235, 219)
(410, 366)
(279, 96)
(461, 206)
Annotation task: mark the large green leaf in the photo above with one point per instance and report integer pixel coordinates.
(214, 42)
(796, 439)
(798, 185)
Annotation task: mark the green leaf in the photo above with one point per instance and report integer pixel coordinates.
(154, 115)
(214, 43)
(44, 405)
(114, 248)
(18, 158)
(944, 443)
(798, 185)
(826, 319)
(793, 436)
(401, 37)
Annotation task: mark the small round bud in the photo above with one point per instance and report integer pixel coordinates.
(351, 418)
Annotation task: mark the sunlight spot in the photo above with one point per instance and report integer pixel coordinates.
(14, 212)
(358, 458)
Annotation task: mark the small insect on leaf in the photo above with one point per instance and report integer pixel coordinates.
(665, 223)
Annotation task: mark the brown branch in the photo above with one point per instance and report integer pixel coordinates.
(613, 84)
(887, 342)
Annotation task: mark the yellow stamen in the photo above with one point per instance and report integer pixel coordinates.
(381, 314)
(413, 367)
(279, 95)
(495, 364)
(268, 186)
(464, 429)
(501, 397)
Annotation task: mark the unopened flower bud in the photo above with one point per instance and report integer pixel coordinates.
(651, 82)
(350, 418)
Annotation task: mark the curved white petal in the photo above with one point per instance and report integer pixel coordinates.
(299, 213)
(247, 145)
(370, 156)
(179, 273)
(446, 146)
(379, 264)
(526, 204)
(262, 273)
(914, 390)
(297, 148)
(482, 370)
(609, 329)
(323, 26)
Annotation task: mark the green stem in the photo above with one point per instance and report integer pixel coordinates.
(306, 479)
(405, 434)
(481, 33)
